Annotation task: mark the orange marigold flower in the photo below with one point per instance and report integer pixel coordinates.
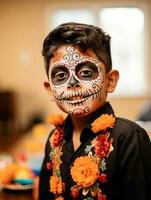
(56, 120)
(103, 122)
(56, 185)
(84, 171)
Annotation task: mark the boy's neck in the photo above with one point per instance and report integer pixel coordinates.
(78, 124)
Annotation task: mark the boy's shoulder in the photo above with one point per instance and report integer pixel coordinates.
(126, 122)
(127, 128)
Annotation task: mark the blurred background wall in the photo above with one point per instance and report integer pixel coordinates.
(23, 26)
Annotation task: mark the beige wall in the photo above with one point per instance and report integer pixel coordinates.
(23, 26)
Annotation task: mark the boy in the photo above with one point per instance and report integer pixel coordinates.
(92, 154)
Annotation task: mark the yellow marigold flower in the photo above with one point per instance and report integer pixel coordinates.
(56, 120)
(56, 185)
(59, 198)
(84, 171)
(103, 122)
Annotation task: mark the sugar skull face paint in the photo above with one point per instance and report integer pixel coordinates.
(77, 81)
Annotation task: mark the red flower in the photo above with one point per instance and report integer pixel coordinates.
(102, 178)
(101, 196)
(49, 165)
(74, 192)
(103, 145)
(57, 137)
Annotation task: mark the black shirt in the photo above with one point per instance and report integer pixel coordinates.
(128, 166)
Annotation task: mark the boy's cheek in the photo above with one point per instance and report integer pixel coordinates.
(57, 92)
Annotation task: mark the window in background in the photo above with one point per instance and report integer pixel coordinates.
(125, 25)
(73, 15)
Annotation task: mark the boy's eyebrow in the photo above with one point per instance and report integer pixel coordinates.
(78, 65)
(58, 65)
(86, 62)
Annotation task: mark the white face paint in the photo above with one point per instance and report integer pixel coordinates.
(77, 81)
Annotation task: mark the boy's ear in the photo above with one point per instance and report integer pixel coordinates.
(112, 79)
(48, 89)
(47, 86)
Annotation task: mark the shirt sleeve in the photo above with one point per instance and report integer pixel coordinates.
(145, 151)
(44, 186)
(135, 165)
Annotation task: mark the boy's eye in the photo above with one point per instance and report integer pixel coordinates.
(87, 71)
(59, 75)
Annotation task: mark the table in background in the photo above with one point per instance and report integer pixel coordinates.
(9, 195)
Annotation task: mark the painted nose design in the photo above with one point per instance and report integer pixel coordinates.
(73, 82)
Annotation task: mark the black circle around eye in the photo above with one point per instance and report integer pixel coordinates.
(87, 71)
(59, 75)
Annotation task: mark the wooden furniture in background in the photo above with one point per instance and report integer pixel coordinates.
(7, 111)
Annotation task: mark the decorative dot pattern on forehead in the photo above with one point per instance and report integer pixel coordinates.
(72, 57)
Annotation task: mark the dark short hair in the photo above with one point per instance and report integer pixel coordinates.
(82, 35)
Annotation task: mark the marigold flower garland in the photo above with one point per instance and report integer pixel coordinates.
(56, 141)
(87, 171)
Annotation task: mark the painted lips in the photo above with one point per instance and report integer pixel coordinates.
(76, 100)
(79, 99)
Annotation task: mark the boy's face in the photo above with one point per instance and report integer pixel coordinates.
(77, 81)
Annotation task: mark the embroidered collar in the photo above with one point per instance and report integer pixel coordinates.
(87, 171)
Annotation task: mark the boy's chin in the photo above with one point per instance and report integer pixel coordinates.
(76, 112)
(79, 112)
